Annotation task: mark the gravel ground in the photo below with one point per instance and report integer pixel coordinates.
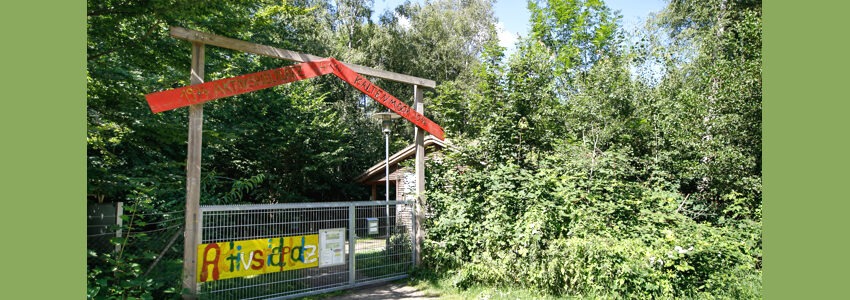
(385, 291)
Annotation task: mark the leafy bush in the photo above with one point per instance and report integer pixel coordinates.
(111, 277)
(399, 241)
(559, 230)
(146, 261)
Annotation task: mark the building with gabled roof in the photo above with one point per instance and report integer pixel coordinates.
(402, 179)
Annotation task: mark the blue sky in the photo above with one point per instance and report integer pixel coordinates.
(513, 15)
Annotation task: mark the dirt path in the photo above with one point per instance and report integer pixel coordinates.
(385, 291)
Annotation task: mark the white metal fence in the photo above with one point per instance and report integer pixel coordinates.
(382, 246)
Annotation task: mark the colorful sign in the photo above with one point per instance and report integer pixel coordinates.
(253, 257)
(203, 92)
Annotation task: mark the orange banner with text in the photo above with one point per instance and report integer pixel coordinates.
(203, 92)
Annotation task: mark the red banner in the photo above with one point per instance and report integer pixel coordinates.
(200, 93)
(373, 91)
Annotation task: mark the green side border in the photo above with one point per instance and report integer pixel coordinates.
(805, 149)
(42, 120)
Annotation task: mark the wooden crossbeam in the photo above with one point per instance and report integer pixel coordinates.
(226, 42)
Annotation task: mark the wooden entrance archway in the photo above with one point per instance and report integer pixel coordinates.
(195, 95)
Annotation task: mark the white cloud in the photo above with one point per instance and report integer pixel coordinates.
(403, 21)
(507, 39)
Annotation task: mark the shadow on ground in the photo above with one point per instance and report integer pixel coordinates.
(385, 291)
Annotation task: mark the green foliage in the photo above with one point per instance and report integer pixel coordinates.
(580, 33)
(558, 229)
(598, 178)
(708, 106)
(466, 104)
(240, 189)
(399, 242)
(111, 277)
(144, 262)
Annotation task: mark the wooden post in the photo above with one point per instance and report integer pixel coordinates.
(193, 180)
(419, 233)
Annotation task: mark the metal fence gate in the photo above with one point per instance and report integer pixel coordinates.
(378, 239)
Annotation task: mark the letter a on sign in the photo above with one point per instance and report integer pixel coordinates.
(203, 92)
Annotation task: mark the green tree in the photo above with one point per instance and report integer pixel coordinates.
(580, 33)
(466, 105)
(611, 196)
(718, 88)
(439, 40)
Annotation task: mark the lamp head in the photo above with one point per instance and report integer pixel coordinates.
(386, 119)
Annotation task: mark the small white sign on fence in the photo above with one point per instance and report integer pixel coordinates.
(331, 247)
(372, 224)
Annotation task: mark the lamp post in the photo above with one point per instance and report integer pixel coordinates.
(386, 122)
